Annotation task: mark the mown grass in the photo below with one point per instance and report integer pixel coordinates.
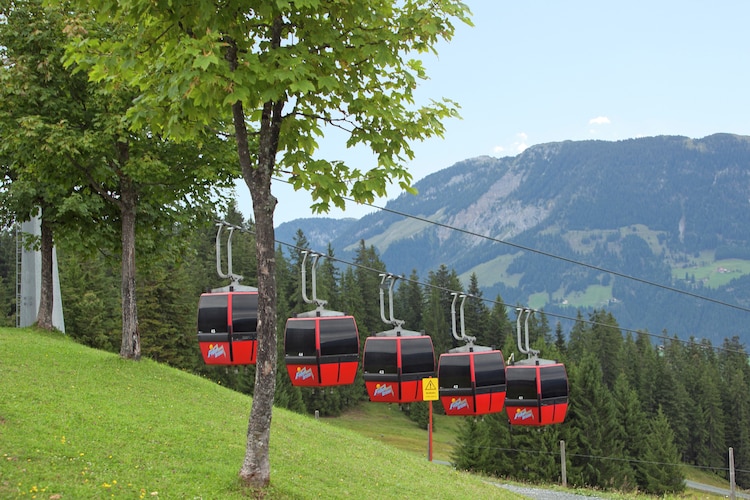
(80, 423)
(389, 425)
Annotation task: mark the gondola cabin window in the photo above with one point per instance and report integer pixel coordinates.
(489, 369)
(455, 372)
(381, 357)
(522, 383)
(417, 356)
(336, 337)
(300, 339)
(554, 382)
(245, 312)
(212, 314)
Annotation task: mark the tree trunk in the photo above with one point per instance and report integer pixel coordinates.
(131, 340)
(46, 297)
(256, 469)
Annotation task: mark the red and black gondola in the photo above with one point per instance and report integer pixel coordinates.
(537, 392)
(394, 362)
(321, 348)
(394, 366)
(227, 326)
(471, 381)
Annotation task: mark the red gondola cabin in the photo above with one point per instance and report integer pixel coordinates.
(537, 394)
(227, 327)
(321, 351)
(395, 366)
(472, 383)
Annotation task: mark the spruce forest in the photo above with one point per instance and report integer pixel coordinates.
(639, 404)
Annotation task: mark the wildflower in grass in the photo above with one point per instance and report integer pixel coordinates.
(62, 439)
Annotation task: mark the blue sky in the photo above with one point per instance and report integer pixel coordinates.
(533, 72)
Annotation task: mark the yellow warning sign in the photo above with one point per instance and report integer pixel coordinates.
(430, 389)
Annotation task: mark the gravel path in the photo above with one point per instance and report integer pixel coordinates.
(542, 494)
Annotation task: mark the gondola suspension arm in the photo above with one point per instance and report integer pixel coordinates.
(236, 278)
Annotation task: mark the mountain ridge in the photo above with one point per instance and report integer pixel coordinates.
(640, 207)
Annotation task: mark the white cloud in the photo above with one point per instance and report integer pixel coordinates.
(520, 145)
(517, 146)
(599, 120)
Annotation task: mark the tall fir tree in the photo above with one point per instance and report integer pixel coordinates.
(662, 471)
(408, 302)
(599, 442)
(500, 328)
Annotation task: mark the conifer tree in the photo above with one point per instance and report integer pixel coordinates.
(408, 304)
(476, 313)
(634, 426)
(500, 328)
(89, 283)
(670, 394)
(599, 441)
(660, 464)
(498, 457)
(437, 315)
(606, 338)
(470, 450)
(368, 282)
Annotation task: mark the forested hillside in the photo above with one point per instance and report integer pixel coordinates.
(667, 210)
(639, 405)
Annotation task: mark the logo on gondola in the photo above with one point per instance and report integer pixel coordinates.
(303, 373)
(215, 351)
(523, 414)
(458, 404)
(383, 390)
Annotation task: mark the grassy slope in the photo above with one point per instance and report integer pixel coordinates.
(81, 423)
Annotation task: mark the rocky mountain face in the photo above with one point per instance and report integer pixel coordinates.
(564, 226)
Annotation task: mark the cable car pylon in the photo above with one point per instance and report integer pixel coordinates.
(537, 389)
(321, 347)
(228, 316)
(471, 378)
(395, 361)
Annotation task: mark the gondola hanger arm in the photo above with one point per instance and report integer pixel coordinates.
(236, 278)
(391, 278)
(523, 342)
(468, 339)
(320, 303)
